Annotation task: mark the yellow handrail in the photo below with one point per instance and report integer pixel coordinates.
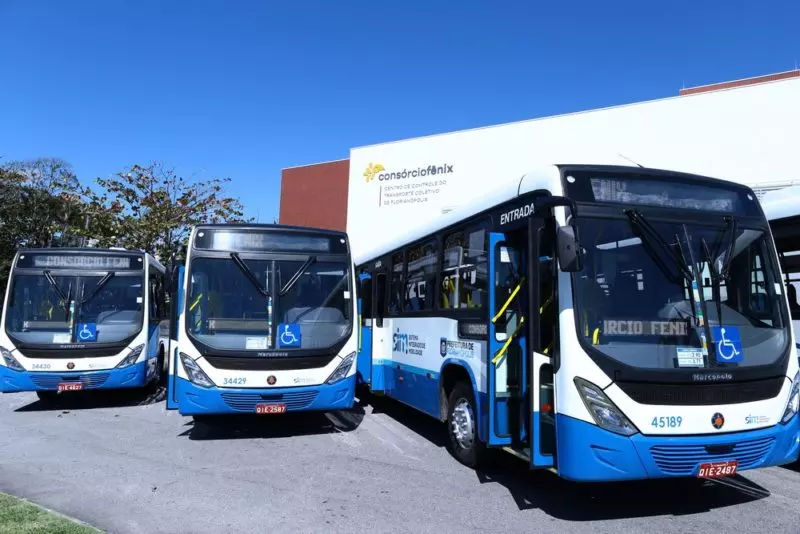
(508, 302)
(508, 342)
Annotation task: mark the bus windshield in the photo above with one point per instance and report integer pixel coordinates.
(636, 291)
(43, 308)
(234, 303)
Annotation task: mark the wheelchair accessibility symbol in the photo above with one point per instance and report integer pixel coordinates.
(729, 344)
(86, 332)
(289, 335)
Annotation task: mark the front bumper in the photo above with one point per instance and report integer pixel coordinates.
(589, 453)
(196, 400)
(129, 377)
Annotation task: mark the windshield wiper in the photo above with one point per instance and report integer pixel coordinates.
(716, 289)
(100, 283)
(64, 298)
(296, 276)
(249, 274)
(644, 230)
(724, 273)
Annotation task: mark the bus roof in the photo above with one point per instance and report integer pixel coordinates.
(781, 203)
(274, 227)
(547, 178)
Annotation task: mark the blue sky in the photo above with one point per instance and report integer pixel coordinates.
(244, 89)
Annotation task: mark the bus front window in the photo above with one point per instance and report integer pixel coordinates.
(43, 309)
(635, 294)
(233, 306)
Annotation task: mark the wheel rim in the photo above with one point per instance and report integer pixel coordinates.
(462, 424)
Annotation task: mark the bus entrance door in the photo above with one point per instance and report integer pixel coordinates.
(507, 340)
(520, 346)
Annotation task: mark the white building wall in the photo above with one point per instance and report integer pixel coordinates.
(748, 134)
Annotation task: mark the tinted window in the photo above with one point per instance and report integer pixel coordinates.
(396, 289)
(465, 269)
(421, 278)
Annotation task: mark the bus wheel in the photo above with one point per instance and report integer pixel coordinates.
(462, 426)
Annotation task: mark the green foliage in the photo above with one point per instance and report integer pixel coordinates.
(42, 204)
(153, 209)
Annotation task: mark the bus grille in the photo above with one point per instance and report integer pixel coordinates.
(48, 381)
(684, 459)
(702, 394)
(246, 402)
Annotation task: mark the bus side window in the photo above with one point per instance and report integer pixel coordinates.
(380, 300)
(397, 286)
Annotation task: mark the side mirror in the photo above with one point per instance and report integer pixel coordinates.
(570, 258)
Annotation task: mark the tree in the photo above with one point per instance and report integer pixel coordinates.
(40, 206)
(153, 208)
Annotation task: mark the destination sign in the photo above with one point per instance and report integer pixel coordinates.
(246, 240)
(96, 262)
(659, 189)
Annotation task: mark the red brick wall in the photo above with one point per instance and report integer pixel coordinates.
(315, 195)
(739, 83)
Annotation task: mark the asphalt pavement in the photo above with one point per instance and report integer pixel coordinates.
(122, 463)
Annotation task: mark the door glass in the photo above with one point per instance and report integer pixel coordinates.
(506, 315)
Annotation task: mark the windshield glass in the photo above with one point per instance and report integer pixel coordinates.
(226, 310)
(632, 295)
(38, 313)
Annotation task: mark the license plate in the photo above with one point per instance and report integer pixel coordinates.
(70, 386)
(270, 408)
(717, 469)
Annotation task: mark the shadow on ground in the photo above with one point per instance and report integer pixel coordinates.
(250, 426)
(93, 399)
(570, 501)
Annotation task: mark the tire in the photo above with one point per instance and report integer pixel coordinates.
(462, 427)
(162, 369)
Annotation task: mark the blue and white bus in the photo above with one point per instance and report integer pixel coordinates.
(607, 323)
(782, 208)
(81, 319)
(264, 323)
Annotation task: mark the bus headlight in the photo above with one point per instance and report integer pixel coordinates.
(793, 404)
(11, 362)
(131, 358)
(196, 375)
(604, 412)
(342, 369)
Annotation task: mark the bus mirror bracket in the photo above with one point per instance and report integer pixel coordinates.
(547, 203)
(570, 258)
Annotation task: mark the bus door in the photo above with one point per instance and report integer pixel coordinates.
(381, 339)
(364, 326)
(520, 389)
(176, 309)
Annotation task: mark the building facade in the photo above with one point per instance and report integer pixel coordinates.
(744, 130)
